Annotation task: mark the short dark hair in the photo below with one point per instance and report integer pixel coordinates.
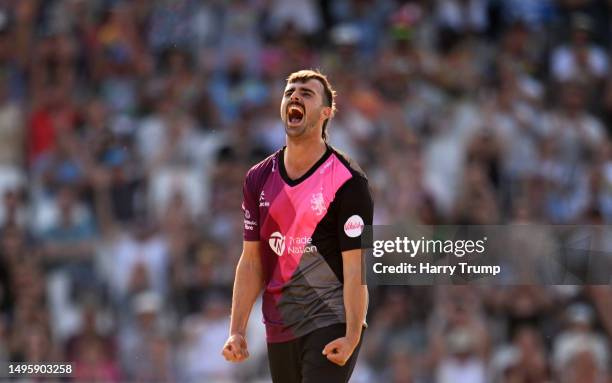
(330, 94)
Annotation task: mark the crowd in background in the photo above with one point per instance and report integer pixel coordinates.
(126, 129)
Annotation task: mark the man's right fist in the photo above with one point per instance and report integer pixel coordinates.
(235, 348)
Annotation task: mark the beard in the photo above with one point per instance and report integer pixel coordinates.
(303, 128)
(297, 131)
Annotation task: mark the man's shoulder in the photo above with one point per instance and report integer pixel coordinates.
(263, 168)
(350, 163)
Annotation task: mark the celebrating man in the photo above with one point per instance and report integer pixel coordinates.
(305, 208)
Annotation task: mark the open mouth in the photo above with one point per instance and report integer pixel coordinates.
(295, 114)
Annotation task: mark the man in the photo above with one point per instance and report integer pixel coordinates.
(305, 208)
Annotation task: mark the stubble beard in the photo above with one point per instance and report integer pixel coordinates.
(300, 131)
(295, 131)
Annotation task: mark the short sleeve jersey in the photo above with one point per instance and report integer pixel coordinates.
(303, 227)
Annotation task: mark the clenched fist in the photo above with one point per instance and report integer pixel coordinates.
(340, 350)
(235, 348)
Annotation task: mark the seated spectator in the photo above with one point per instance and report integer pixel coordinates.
(580, 345)
(140, 261)
(69, 237)
(142, 340)
(580, 60)
(203, 332)
(462, 364)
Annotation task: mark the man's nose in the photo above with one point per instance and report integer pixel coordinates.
(295, 97)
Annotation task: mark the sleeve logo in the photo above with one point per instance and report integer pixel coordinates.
(353, 227)
(262, 200)
(277, 243)
(249, 224)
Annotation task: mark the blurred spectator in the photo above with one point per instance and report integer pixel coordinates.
(140, 262)
(143, 342)
(70, 235)
(11, 129)
(462, 364)
(13, 210)
(460, 342)
(52, 118)
(394, 329)
(462, 16)
(401, 367)
(92, 352)
(203, 332)
(580, 60)
(524, 360)
(579, 346)
(304, 16)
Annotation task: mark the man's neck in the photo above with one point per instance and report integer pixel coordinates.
(301, 155)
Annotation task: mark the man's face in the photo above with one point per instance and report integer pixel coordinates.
(303, 107)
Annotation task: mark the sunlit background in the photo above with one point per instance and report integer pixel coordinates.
(126, 128)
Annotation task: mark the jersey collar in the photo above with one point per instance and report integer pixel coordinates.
(313, 168)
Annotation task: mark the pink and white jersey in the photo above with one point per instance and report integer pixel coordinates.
(303, 226)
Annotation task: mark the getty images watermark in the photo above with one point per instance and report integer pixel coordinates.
(494, 255)
(412, 248)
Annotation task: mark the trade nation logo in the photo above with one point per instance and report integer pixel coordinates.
(277, 243)
(293, 245)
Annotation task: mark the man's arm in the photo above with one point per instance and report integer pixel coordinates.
(355, 305)
(247, 287)
(355, 295)
(355, 211)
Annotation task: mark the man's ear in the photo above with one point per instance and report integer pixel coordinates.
(327, 112)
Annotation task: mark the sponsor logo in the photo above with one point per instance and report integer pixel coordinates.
(325, 166)
(262, 200)
(277, 243)
(294, 245)
(353, 227)
(317, 203)
(248, 223)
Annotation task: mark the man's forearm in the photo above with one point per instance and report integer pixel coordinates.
(355, 301)
(247, 286)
